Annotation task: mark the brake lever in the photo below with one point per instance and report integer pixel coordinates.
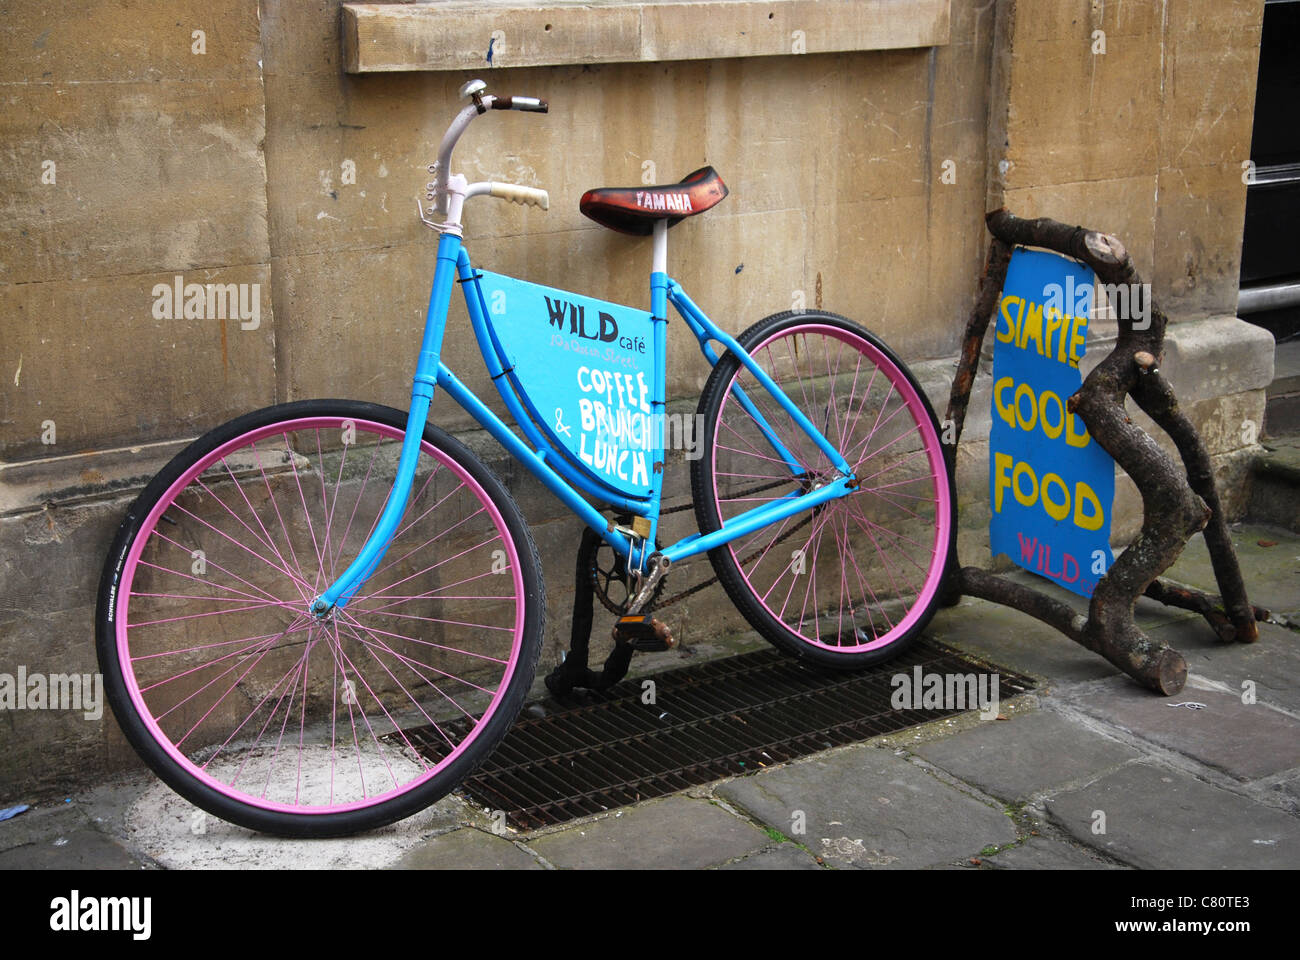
(420, 212)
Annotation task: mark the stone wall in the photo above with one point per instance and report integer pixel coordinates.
(858, 182)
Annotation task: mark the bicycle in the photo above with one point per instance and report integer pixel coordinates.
(269, 668)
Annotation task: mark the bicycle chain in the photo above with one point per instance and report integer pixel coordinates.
(653, 603)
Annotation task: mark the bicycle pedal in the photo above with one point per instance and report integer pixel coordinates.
(643, 633)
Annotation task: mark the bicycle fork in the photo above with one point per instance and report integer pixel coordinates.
(426, 370)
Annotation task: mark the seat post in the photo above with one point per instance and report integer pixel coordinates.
(659, 273)
(660, 262)
(659, 280)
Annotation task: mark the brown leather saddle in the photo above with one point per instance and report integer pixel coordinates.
(634, 210)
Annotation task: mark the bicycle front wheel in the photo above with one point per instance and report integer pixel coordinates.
(852, 582)
(267, 717)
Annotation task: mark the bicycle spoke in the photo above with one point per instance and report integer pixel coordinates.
(869, 558)
(303, 714)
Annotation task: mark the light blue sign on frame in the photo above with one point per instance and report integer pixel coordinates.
(586, 367)
(1051, 485)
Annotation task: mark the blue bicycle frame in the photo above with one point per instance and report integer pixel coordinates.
(554, 468)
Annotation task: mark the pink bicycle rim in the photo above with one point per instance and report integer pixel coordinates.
(128, 575)
(919, 410)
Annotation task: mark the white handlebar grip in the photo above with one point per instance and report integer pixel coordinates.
(520, 194)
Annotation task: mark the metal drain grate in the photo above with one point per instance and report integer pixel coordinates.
(718, 719)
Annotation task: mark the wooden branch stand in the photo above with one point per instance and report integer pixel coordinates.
(1176, 503)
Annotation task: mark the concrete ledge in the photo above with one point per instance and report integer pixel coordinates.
(456, 34)
(1218, 366)
(1217, 356)
(31, 485)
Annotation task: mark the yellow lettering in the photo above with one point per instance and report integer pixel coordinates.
(1003, 410)
(1025, 500)
(1084, 492)
(1045, 398)
(1057, 511)
(1001, 464)
(1075, 439)
(1011, 324)
(1025, 390)
(1054, 322)
(1078, 335)
(1032, 328)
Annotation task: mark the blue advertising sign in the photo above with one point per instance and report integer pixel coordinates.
(1050, 485)
(586, 370)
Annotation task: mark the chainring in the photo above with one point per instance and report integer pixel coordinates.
(609, 579)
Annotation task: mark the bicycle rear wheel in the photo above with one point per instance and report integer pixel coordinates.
(269, 718)
(852, 582)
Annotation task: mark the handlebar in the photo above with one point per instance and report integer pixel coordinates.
(529, 104)
(482, 102)
(518, 193)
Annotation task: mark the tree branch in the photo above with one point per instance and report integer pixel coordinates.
(1175, 505)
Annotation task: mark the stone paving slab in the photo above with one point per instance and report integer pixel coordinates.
(467, 849)
(1290, 791)
(1016, 641)
(1272, 663)
(82, 849)
(787, 856)
(1042, 853)
(866, 807)
(1018, 758)
(178, 836)
(1271, 573)
(41, 821)
(1161, 819)
(1246, 741)
(61, 836)
(675, 833)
